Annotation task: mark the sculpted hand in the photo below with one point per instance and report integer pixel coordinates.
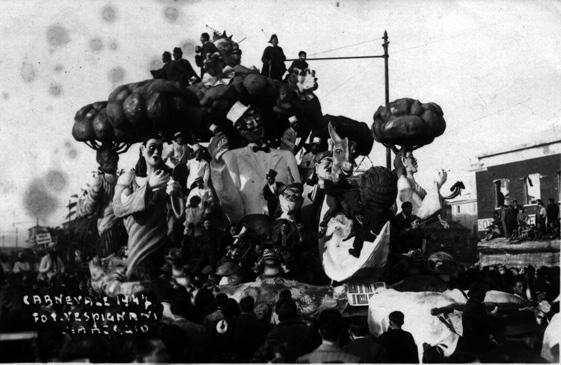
(173, 187)
(440, 177)
(218, 145)
(158, 180)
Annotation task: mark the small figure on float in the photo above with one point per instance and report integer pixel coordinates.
(290, 135)
(273, 60)
(271, 192)
(237, 174)
(179, 152)
(202, 52)
(300, 64)
(161, 73)
(141, 198)
(197, 167)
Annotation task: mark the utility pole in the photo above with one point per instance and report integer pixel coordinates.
(387, 87)
(385, 56)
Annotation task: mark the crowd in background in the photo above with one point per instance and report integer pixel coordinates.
(512, 221)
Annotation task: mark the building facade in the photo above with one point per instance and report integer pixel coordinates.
(526, 174)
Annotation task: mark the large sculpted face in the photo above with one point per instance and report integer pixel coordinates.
(152, 152)
(409, 162)
(251, 127)
(343, 154)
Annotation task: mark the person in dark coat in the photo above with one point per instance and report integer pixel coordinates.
(298, 337)
(476, 323)
(405, 231)
(399, 345)
(510, 218)
(180, 70)
(271, 192)
(203, 51)
(161, 73)
(552, 213)
(249, 331)
(362, 344)
(273, 60)
(298, 65)
(221, 338)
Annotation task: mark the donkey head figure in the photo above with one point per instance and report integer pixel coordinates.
(343, 154)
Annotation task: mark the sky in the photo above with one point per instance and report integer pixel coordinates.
(493, 66)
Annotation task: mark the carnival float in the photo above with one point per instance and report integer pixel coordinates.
(355, 249)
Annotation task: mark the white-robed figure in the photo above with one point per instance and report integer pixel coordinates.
(238, 175)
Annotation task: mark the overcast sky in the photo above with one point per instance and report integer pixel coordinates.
(493, 66)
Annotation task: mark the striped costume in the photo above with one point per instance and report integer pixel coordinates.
(144, 215)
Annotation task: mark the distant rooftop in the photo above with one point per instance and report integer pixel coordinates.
(522, 147)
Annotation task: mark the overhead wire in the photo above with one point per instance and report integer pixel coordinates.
(343, 47)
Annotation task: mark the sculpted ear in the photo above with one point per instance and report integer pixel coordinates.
(333, 134)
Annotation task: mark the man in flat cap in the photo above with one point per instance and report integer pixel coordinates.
(271, 192)
(237, 175)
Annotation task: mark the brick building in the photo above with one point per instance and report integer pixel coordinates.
(526, 173)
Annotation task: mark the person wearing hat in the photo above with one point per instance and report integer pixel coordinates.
(290, 135)
(308, 162)
(273, 60)
(271, 192)
(178, 153)
(238, 174)
(197, 167)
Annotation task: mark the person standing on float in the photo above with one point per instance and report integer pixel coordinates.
(273, 60)
(141, 197)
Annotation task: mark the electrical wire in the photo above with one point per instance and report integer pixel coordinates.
(342, 47)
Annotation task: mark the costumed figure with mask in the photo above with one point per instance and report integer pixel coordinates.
(238, 174)
(141, 197)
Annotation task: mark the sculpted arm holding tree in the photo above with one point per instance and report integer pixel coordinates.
(225, 179)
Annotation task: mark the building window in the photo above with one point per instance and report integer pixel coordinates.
(532, 188)
(458, 209)
(501, 191)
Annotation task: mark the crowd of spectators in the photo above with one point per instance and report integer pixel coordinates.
(198, 323)
(512, 221)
